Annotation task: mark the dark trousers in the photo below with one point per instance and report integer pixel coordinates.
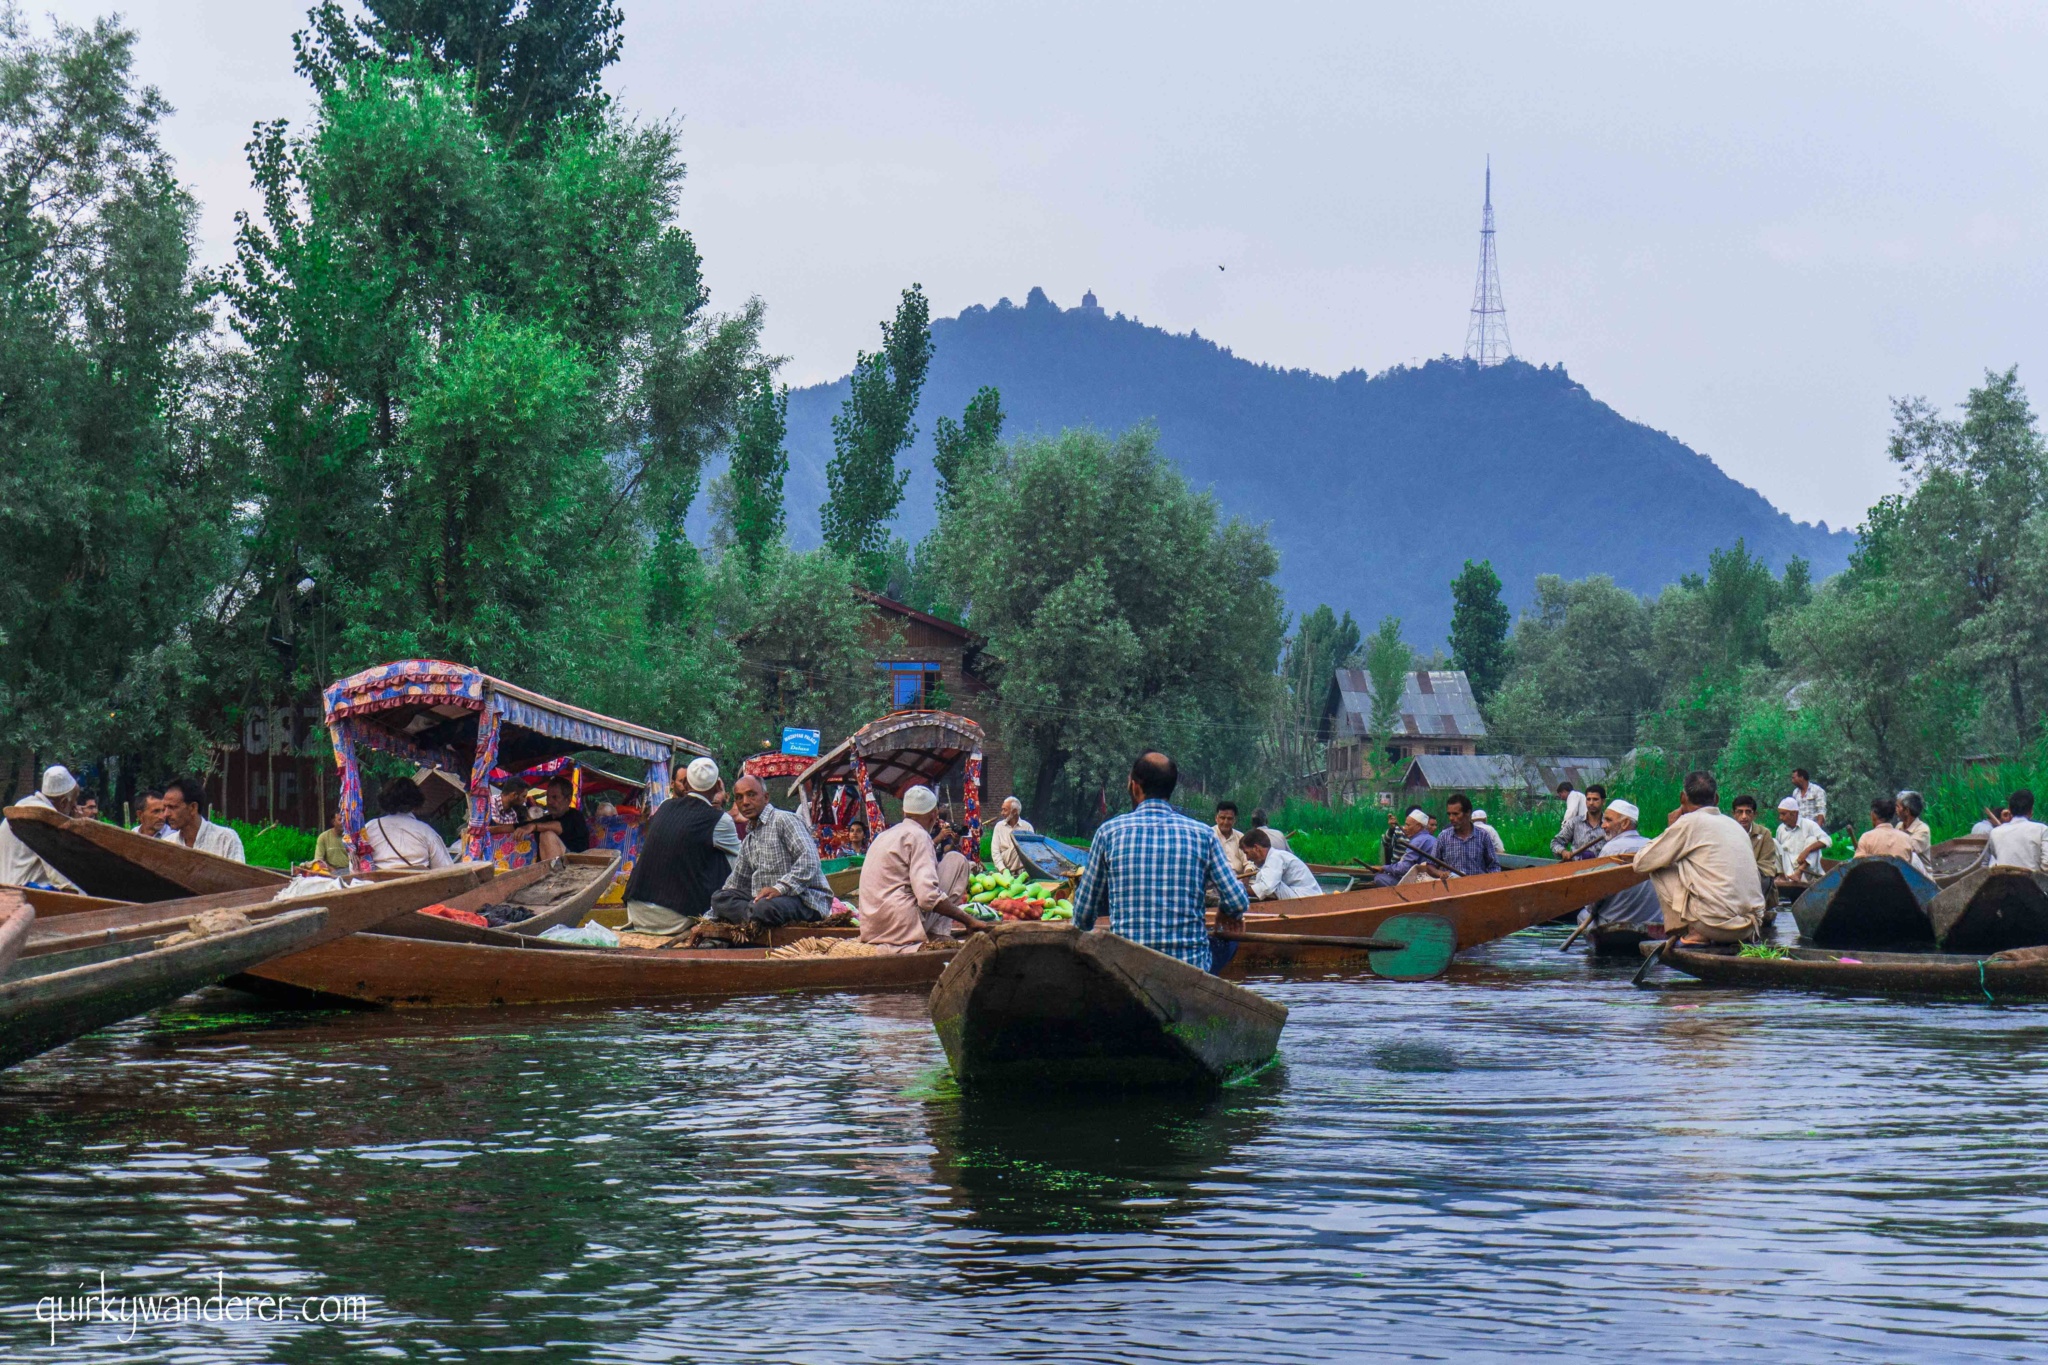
(737, 907)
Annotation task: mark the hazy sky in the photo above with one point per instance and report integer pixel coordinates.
(1749, 225)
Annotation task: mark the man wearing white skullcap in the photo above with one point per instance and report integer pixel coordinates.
(899, 880)
(685, 855)
(1421, 847)
(1800, 842)
(19, 866)
(1500, 845)
(1634, 907)
(1704, 873)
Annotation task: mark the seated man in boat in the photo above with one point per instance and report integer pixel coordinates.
(2019, 841)
(1911, 805)
(1635, 907)
(1762, 845)
(1884, 838)
(1418, 846)
(1273, 836)
(19, 866)
(685, 856)
(398, 840)
(1705, 873)
(1151, 868)
(776, 878)
(1232, 839)
(1002, 837)
(1500, 845)
(1276, 873)
(185, 822)
(149, 814)
(899, 880)
(1464, 846)
(558, 827)
(1800, 843)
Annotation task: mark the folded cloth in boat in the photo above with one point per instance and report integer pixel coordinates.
(206, 925)
(504, 912)
(469, 917)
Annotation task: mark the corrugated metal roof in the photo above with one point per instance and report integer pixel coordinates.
(1433, 705)
(1507, 771)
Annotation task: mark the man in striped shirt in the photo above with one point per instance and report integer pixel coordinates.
(1148, 871)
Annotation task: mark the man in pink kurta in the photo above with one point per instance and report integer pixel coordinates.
(899, 880)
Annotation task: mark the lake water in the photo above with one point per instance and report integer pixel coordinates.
(1528, 1158)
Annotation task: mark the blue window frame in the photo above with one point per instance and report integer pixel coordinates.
(910, 682)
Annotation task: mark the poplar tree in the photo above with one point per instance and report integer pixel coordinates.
(1479, 628)
(864, 485)
(958, 448)
(759, 464)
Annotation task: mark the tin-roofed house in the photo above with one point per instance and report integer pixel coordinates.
(1438, 715)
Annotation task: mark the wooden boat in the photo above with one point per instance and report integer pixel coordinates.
(1049, 860)
(1481, 908)
(1873, 903)
(1044, 1005)
(355, 907)
(2018, 974)
(1990, 910)
(1951, 859)
(108, 861)
(48, 904)
(385, 971)
(1627, 940)
(558, 892)
(15, 917)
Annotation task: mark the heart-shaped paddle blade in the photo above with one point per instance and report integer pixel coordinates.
(1429, 943)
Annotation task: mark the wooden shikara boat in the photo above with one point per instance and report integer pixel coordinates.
(385, 971)
(1627, 940)
(1951, 859)
(1873, 903)
(107, 861)
(560, 892)
(48, 904)
(1481, 909)
(1044, 1005)
(1049, 860)
(2019, 974)
(1990, 910)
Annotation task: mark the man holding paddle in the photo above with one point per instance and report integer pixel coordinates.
(1148, 871)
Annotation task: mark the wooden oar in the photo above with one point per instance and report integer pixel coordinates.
(1412, 947)
(1648, 958)
(1583, 926)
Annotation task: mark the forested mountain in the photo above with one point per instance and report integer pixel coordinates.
(1377, 487)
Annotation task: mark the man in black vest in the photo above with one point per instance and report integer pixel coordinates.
(685, 855)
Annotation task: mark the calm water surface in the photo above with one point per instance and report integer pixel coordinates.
(1528, 1158)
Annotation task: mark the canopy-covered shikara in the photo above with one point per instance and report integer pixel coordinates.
(442, 715)
(899, 751)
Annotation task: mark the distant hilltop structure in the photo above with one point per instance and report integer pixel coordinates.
(1486, 336)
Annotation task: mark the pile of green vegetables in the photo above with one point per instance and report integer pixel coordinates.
(1005, 895)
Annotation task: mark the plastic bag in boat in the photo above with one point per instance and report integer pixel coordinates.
(590, 935)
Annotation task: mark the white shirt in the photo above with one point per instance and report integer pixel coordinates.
(1002, 844)
(1500, 845)
(1277, 839)
(1813, 802)
(19, 866)
(1793, 841)
(2017, 843)
(404, 842)
(218, 840)
(1284, 877)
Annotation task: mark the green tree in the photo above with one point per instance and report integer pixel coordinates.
(1479, 628)
(864, 485)
(759, 464)
(961, 447)
(1387, 660)
(530, 64)
(1322, 643)
(1581, 677)
(1137, 617)
(117, 517)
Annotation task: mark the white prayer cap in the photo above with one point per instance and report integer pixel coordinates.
(1625, 809)
(1480, 816)
(703, 774)
(58, 781)
(1790, 803)
(1418, 817)
(920, 801)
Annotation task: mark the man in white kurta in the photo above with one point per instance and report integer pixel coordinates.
(1800, 842)
(19, 866)
(1002, 837)
(1705, 871)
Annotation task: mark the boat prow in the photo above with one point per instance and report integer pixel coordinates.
(1869, 903)
(1990, 910)
(107, 861)
(1037, 1005)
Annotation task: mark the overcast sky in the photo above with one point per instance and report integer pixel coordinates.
(1749, 225)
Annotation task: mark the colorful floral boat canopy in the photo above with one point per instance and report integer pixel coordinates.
(901, 750)
(443, 715)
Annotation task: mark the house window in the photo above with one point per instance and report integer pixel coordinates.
(910, 683)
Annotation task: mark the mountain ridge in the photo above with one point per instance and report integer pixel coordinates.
(1375, 488)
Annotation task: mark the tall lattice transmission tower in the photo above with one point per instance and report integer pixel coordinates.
(1486, 338)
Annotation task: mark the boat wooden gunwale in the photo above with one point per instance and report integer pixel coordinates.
(351, 909)
(1481, 908)
(1046, 1005)
(107, 861)
(16, 915)
(384, 971)
(50, 999)
(1953, 859)
(1868, 903)
(1990, 909)
(50, 904)
(2017, 974)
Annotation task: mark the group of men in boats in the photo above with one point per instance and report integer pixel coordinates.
(176, 811)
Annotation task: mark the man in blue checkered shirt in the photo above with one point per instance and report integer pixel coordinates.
(1147, 871)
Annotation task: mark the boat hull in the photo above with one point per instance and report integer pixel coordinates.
(520, 887)
(1035, 1005)
(117, 864)
(1990, 910)
(2022, 975)
(1879, 904)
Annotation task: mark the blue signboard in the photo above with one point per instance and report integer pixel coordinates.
(802, 743)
